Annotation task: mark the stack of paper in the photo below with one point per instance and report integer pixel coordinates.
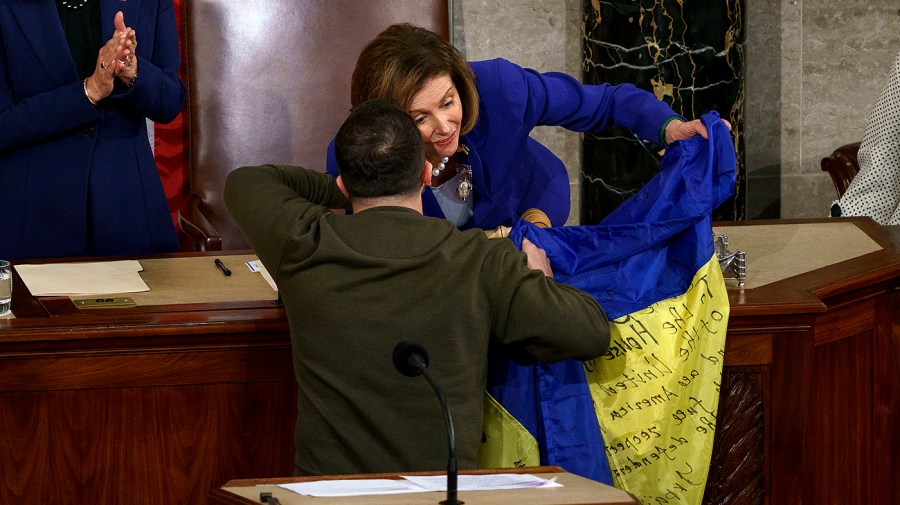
(71, 279)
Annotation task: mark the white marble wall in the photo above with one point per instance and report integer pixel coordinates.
(831, 57)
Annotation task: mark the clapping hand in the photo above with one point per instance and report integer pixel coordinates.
(126, 70)
(114, 60)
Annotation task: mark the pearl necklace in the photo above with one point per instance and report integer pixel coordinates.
(465, 184)
(436, 171)
(72, 6)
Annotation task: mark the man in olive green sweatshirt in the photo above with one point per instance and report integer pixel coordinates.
(355, 285)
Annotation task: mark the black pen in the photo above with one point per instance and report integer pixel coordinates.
(222, 266)
(268, 498)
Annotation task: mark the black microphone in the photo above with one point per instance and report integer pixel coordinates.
(411, 359)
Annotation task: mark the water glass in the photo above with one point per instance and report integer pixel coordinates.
(5, 287)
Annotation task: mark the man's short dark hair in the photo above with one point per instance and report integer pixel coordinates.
(379, 151)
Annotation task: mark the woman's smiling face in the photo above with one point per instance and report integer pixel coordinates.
(437, 112)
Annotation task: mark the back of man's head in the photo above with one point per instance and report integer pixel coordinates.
(379, 151)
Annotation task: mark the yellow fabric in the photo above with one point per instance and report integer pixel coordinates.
(657, 392)
(505, 443)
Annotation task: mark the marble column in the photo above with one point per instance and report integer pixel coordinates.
(689, 54)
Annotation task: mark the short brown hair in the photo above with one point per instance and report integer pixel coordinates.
(397, 62)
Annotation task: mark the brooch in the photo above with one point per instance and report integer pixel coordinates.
(465, 185)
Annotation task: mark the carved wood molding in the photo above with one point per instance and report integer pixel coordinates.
(736, 473)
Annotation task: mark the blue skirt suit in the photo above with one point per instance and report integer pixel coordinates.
(512, 172)
(78, 179)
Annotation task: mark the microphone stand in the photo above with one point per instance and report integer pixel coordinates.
(411, 359)
(451, 437)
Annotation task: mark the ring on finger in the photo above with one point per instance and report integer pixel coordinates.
(103, 65)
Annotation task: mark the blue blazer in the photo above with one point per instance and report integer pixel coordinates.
(78, 179)
(511, 171)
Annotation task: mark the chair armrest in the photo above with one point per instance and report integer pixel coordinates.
(194, 223)
(842, 166)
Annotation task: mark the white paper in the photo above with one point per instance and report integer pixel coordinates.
(484, 482)
(418, 484)
(257, 266)
(354, 487)
(92, 278)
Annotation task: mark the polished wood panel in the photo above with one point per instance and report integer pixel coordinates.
(843, 410)
(887, 396)
(138, 445)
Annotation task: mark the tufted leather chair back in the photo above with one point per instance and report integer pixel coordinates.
(269, 82)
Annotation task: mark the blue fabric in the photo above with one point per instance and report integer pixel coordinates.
(511, 171)
(79, 179)
(647, 250)
(651, 246)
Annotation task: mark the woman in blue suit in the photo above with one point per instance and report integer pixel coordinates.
(77, 174)
(476, 118)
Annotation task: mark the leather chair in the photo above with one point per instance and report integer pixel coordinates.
(269, 82)
(843, 166)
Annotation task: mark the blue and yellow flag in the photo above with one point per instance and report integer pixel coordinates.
(641, 417)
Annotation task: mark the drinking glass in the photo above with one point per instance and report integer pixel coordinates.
(5, 287)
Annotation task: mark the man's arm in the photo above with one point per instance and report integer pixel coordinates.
(272, 203)
(553, 321)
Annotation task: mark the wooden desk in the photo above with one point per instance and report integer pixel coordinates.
(159, 405)
(152, 404)
(810, 398)
(576, 491)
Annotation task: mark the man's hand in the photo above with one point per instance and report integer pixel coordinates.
(537, 257)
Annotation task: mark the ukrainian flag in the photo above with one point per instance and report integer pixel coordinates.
(641, 417)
